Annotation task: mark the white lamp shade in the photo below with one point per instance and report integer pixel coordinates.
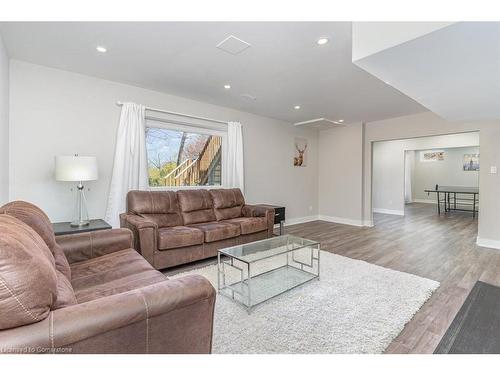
(76, 168)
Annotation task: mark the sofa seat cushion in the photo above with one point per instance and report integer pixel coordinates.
(249, 225)
(111, 274)
(217, 230)
(180, 236)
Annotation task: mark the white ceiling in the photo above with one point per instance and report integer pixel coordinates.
(453, 71)
(369, 38)
(283, 67)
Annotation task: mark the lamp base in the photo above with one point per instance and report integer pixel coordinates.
(82, 223)
(81, 216)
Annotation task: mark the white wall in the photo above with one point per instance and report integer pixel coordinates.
(340, 174)
(388, 177)
(4, 124)
(448, 172)
(54, 112)
(389, 166)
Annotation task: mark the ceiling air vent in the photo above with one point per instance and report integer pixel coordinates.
(233, 45)
(321, 123)
(248, 97)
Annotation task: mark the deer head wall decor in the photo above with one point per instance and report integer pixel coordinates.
(299, 160)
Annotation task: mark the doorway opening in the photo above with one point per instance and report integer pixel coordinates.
(439, 173)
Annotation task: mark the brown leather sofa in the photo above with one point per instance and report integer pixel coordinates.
(92, 293)
(172, 228)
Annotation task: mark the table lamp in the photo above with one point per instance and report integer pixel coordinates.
(77, 169)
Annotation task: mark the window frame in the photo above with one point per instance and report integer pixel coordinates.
(220, 131)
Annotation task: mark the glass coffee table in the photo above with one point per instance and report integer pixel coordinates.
(258, 271)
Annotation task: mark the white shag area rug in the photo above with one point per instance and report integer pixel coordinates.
(355, 307)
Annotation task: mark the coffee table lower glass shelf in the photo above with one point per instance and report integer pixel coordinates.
(256, 272)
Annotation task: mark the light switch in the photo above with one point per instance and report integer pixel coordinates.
(493, 169)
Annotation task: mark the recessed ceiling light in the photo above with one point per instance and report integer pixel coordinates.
(322, 41)
(227, 87)
(296, 107)
(340, 121)
(101, 49)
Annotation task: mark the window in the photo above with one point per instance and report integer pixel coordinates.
(183, 156)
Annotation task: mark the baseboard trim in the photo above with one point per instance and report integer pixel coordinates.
(389, 212)
(298, 220)
(368, 223)
(486, 242)
(331, 219)
(341, 220)
(428, 201)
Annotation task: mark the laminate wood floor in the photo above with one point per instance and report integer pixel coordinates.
(441, 248)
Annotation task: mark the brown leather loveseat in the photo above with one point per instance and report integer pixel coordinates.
(172, 228)
(92, 293)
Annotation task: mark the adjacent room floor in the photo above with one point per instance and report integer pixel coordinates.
(440, 248)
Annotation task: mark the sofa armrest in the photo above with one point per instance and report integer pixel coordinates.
(137, 221)
(83, 246)
(145, 234)
(250, 210)
(253, 210)
(174, 316)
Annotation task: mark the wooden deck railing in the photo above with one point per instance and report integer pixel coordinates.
(193, 171)
(208, 154)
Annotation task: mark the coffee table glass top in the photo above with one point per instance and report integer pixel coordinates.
(255, 272)
(255, 251)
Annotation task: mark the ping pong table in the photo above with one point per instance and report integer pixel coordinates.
(447, 195)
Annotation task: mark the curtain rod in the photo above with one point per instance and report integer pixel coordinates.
(180, 114)
(184, 123)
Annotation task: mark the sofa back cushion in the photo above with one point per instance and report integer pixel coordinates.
(196, 206)
(28, 279)
(34, 217)
(65, 293)
(227, 203)
(161, 207)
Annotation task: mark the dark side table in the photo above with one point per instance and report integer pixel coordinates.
(279, 215)
(66, 228)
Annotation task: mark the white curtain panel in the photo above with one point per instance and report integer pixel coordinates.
(409, 166)
(234, 174)
(130, 168)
